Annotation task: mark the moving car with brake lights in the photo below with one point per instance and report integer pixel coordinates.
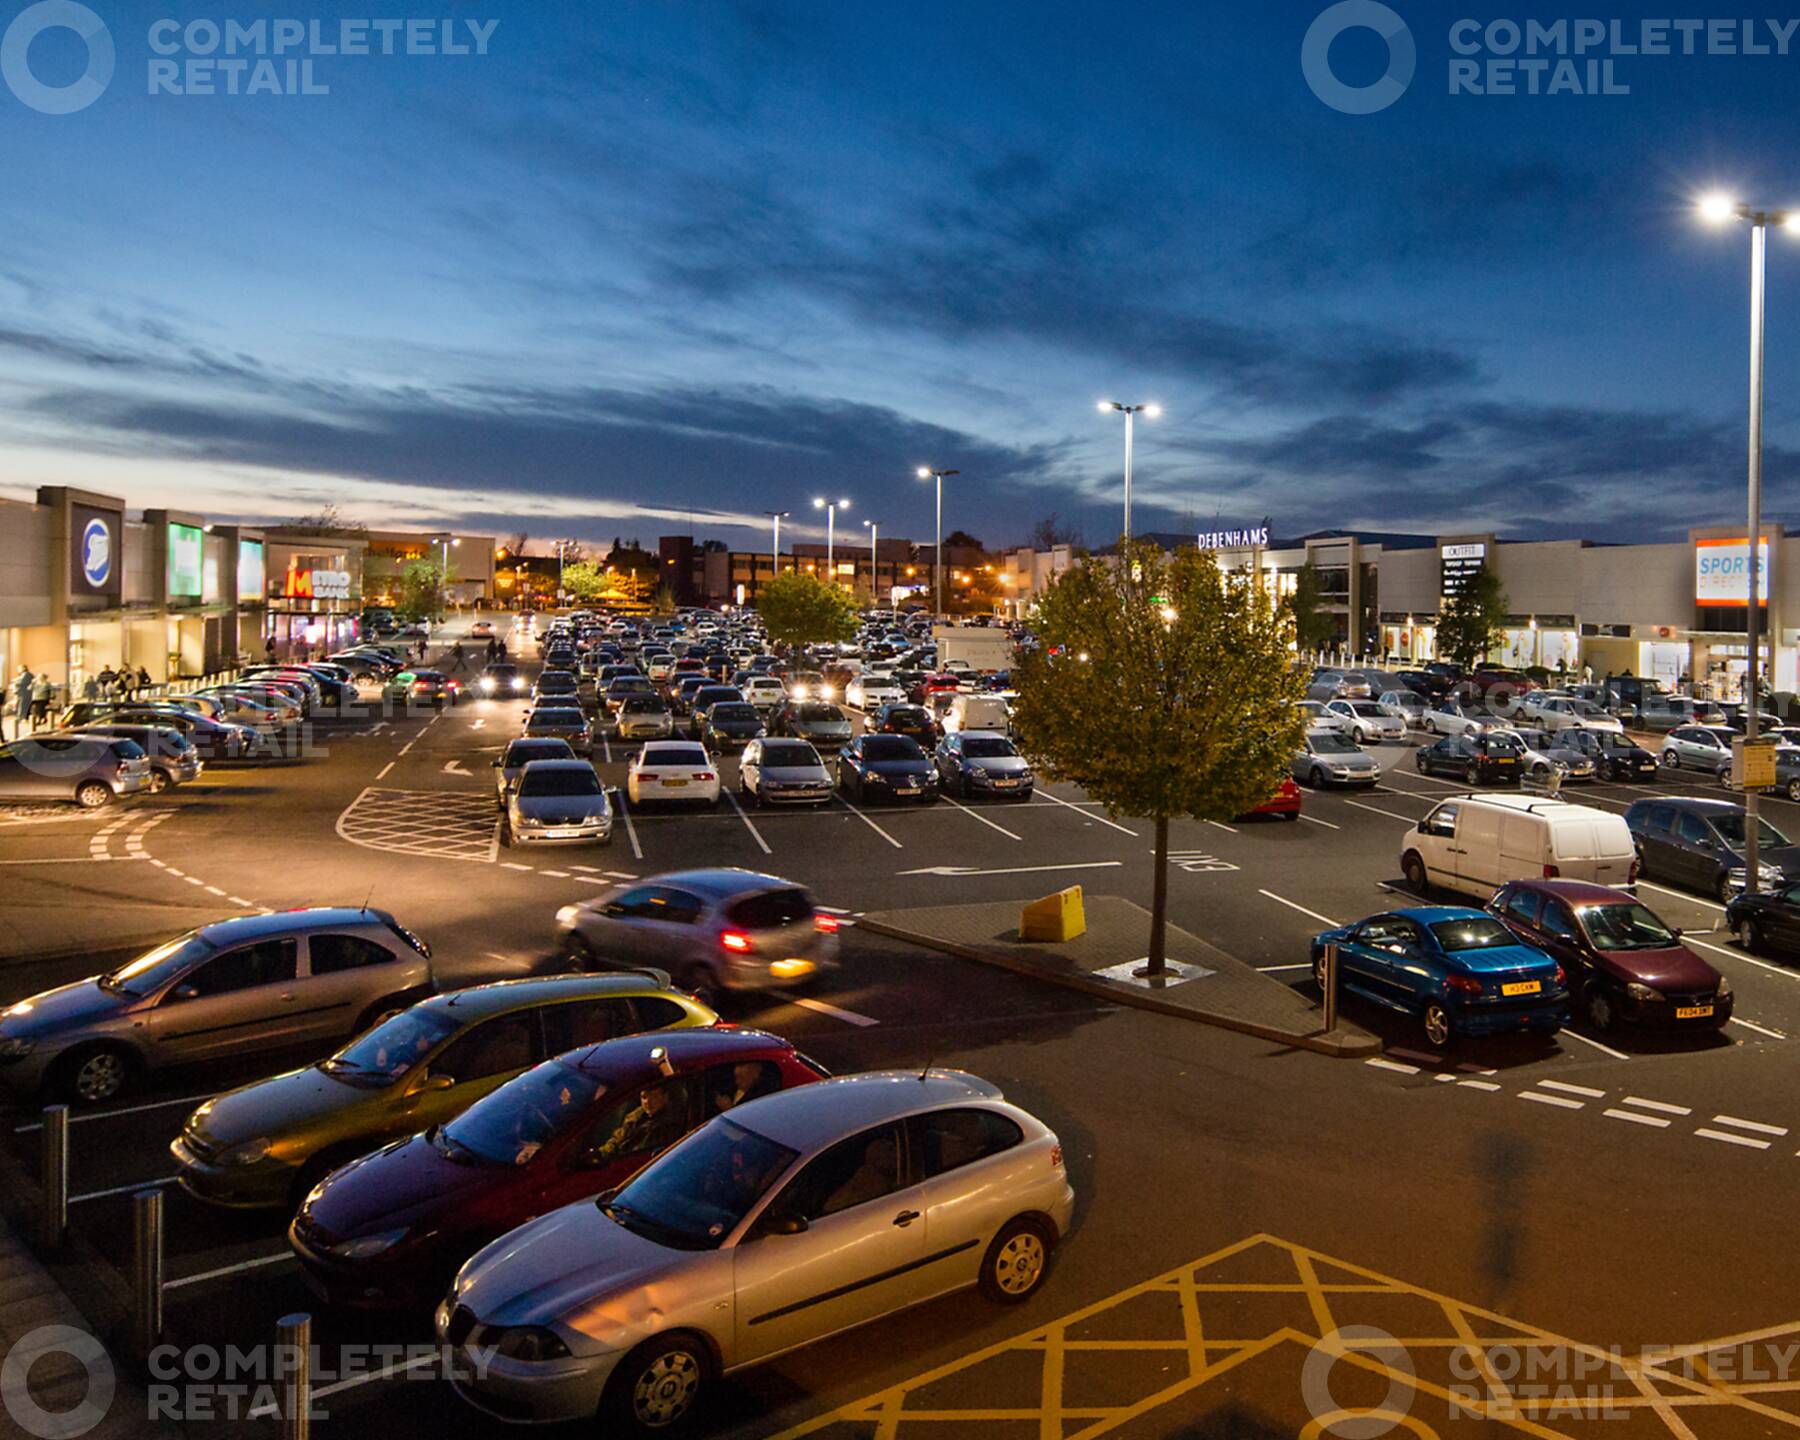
(715, 931)
(887, 767)
(982, 762)
(1326, 758)
(783, 1221)
(1457, 971)
(557, 802)
(266, 1145)
(561, 722)
(1625, 966)
(423, 687)
(392, 1228)
(672, 770)
(1699, 844)
(783, 772)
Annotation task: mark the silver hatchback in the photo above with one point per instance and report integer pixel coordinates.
(789, 1219)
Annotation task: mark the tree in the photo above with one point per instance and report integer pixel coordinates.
(801, 609)
(514, 544)
(1471, 621)
(1312, 628)
(328, 519)
(1050, 532)
(418, 589)
(1163, 687)
(961, 540)
(585, 581)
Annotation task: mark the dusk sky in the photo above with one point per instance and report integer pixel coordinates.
(650, 260)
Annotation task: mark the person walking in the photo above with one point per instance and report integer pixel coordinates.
(90, 688)
(458, 661)
(41, 691)
(140, 682)
(21, 691)
(108, 678)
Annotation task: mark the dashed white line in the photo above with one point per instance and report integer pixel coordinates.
(515, 865)
(1633, 1116)
(1729, 1139)
(1487, 1084)
(1310, 914)
(1662, 1105)
(1569, 1089)
(1755, 1125)
(196, 880)
(1381, 1064)
(849, 1017)
(250, 904)
(564, 874)
(215, 890)
(390, 765)
(1559, 1100)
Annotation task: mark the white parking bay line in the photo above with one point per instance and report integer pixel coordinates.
(637, 850)
(1661, 1105)
(1310, 914)
(386, 1372)
(1633, 1116)
(977, 815)
(1314, 819)
(1759, 1029)
(884, 834)
(1381, 1064)
(1729, 1139)
(1755, 1125)
(1606, 1049)
(255, 1264)
(755, 834)
(1058, 800)
(1559, 1100)
(1304, 965)
(1680, 895)
(1229, 831)
(1739, 955)
(849, 1017)
(1569, 1089)
(1488, 1084)
(1377, 810)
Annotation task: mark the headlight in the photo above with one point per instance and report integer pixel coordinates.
(13, 1046)
(1724, 990)
(1642, 992)
(487, 684)
(518, 682)
(248, 1153)
(568, 915)
(596, 819)
(531, 1343)
(363, 1246)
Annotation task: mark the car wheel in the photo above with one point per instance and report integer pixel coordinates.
(159, 781)
(1607, 770)
(1670, 760)
(92, 795)
(1437, 1023)
(94, 1074)
(578, 954)
(1290, 815)
(1316, 778)
(1749, 934)
(1413, 867)
(1472, 773)
(1419, 762)
(1598, 1004)
(1793, 788)
(1722, 887)
(658, 1388)
(1015, 1264)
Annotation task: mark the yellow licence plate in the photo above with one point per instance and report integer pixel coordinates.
(1522, 987)
(1692, 1012)
(677, 784)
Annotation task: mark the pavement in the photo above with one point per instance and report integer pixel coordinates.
(1203, 982)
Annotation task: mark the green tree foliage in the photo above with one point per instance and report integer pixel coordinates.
(586, 581)
(801, 609)
(1470, 623)
(418, 589)
(1313, 629)
(1171, 692)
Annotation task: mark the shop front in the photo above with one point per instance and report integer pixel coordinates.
(1410, 641)
(313, 606)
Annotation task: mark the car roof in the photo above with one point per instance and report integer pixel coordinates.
(685, 1049)
(1528, 804)
(981, 735)
(1436, 914)
(721, 881)
(1699, 803)
(560, 762)
(500, 995)
(811, 1116)
(1577, 890)
(286, 922)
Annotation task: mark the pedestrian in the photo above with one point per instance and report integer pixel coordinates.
(141, 682)
(458, 660)
(41, 691)
(22, 699)
(269, 650)
(501, 651)
(90, 688)
(1587, 674)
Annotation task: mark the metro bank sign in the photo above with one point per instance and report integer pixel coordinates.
(316, 584)
(1722, 572)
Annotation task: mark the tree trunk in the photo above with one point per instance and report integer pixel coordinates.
(1159, 899)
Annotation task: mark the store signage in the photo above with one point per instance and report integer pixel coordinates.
(1458, 564)
(187, 548)
(316, 584)
(1234, 539)
(1722, 572)
(252, 570)
(94, 552)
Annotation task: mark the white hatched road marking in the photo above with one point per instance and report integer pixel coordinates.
(1661, 1105)
(1728, 1138)
(1381, 1064)
(1756, 1125)
(1559, 1100)
(1489, 1084)
(849, 1017)
(442, 824)
(1632, 1115)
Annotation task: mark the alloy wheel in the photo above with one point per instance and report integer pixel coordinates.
(1020, 1263)
(1437, 1024)
(665, 1391)
(99, 1077)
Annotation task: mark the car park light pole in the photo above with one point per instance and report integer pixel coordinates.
(777, 516)
(1719, 210)
(937, 585)
(446, 541)
(1130, 412)
(874, 529)
(830, 507)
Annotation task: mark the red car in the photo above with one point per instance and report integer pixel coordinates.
(1285, 802)
(392, 1228)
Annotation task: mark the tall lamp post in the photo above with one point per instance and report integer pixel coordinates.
(446, 541)
(777, 516)
(561, 545)
(874, 527)
(927, 473)
(830, 507)
(1130, 412)
(1719, 210)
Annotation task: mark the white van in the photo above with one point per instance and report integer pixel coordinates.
(1477, 843)
(977, 712)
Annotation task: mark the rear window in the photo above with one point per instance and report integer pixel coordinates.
(771, 909)
(556, 719)
(733, 710)
(674, 755)
(1480, 932)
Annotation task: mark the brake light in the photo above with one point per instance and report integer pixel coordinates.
(1562, 976)
(1056, 1158)
(1551, 872)
(705, 775)
(735, 940)
(1464, 984)
(828, 924)
(1632, 875)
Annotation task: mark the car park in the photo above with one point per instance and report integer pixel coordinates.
(1328, 685)
(1699, 843)
(783, 772)
(62, 766)
(482, 630)
(983, 762)
(173, 760)
(672, 770)
(627, 687)
(1327, 758)
(1625, 967)
(1321, 719)
(557, 802)
(1477, 843)
(255, 981)
(267, 1144)
(1494, 757)
(561, 722)
(715, 931)
(392, 1228)
(1458, 972)
(744, 1230)
(1367, 722)
(878, 767)
(213, 740)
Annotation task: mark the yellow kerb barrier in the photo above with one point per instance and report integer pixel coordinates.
(1055, 917)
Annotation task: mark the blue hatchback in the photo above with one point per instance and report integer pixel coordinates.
(1459, 970)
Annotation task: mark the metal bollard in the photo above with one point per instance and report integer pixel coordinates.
(146, 1271)
(54, 1221)
(293, 1342)
(1331, 986)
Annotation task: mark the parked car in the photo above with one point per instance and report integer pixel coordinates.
(258, 982)
(1615, 756)
(268, 1144)
(1447, 715)
(213, 740)
(729, 725)
(1706, 748)
(982, 762)
(1567, 712)
(913, 721)
(1495, 757)
(1625, 966)
(887, 767)
(1367, 721)
(765, 692)
(1547, 753)
(1285, 802)
(976, 712)
(90, 770)
(393, 1227)
(672, 770)
(173, 760)
(783, 772)
(501, 679)
(872, 691)
(1768, 919)
(561, 722)
(1327, 685)
(510, 763)
(715, 931)
(643, 717)
(557, 802)
(1458, 971)
(424, 687)
(1477, 843)
(817, 721)
(1408, 705)
(793, 1218)
(1325, 758)
(1699, 844)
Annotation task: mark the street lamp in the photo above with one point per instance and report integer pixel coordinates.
(874, 527)
(444, 571)
(1719, 209)
(927, 473)
(1130, 412)
(560, 546)
(777, 516)
(830, 507)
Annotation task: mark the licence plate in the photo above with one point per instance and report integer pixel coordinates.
(906, 789)
(1522, 987)
(1004, 784)
(1503, 762)
(562, 834)
(677, 784)
(1692, 1012)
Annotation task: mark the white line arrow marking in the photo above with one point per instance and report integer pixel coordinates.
(957, 870)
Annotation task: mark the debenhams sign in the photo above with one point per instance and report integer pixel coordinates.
(1234, 539)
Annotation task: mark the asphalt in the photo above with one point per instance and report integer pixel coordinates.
(1498, 1174)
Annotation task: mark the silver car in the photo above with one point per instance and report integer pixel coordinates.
(713, 930)
(1706, 748)
(644, 717)
(1547, 754)
(783, 772)
(1367, 721)
(561, 722)
(1409, 705)
(1445, 716)
(786, 1220)
(257, 983)
(557, 802)
(510, 763)
(1325, 759)
(91, 770)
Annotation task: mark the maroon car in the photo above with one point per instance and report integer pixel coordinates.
(1625, 966)
(392, 1228)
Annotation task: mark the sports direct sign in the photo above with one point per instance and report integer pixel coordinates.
(1722, 572)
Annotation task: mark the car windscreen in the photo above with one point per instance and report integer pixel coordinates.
(1502, 745)
(978, 747)
(523, 752)
(733, 710)
(1323, 744)
(1477, 932)
(777, 753)
(510, 1125)
(695, 1195)
(631, 685)
(891, 747)
(392, 1048)
(1625, 926)
(1731, 827)
(644, 705)
(1368, 708)
(559, 782)
(818, 712)
(157, 967)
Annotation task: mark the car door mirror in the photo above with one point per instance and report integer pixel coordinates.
(185, 992)
(1424, 827)
(1676, 932)
(783, 1225)
(429, 1081)
(498, 762)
